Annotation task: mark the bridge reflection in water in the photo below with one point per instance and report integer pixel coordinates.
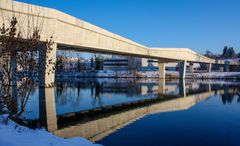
(95, 124)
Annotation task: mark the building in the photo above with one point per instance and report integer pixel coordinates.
(117, 63)
(152, 64)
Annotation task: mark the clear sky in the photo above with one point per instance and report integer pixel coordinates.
(197, 24)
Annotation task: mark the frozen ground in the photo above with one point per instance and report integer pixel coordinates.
(12, 134)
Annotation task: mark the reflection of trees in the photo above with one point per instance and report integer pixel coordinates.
(238, 100)
(97, 98)
(202, 88)
(59, 89)
(68, 92)
(228, 96)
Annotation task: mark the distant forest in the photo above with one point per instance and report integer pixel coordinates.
(227, 53)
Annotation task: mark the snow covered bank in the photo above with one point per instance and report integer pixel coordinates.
(116, 74)
(13, 134)
(216, 75)
(149, 74)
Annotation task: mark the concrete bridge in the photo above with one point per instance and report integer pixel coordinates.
(71, 33)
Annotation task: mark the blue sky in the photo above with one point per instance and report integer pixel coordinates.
(198, 24)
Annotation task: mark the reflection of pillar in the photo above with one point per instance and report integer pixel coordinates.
(47, 108)
(209, 67)
(182, 87)
(161, 70)
(14, 100)
(161, 86)
(191, 86)
(191, 67)
(182, 69)
(47, 61)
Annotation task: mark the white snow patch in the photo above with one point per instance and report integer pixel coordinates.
(216, 74)
(12, 134)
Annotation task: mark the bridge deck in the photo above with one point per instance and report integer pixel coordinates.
(72, 33)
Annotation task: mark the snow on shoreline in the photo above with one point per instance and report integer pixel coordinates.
(214, 75)
(12, 134)
(149, 74)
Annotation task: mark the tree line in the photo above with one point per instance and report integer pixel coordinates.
(227, 53)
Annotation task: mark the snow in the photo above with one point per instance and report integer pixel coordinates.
(113, 74)
(216, 75)
(12, 134)
(149, 74)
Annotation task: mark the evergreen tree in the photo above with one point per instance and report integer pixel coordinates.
(225, 52)
(228, 52)
(231, 52)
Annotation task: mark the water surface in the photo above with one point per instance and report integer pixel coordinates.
(140, 112)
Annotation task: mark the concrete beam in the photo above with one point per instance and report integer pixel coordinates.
(69, 31)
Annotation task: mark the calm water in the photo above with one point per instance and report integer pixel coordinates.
(124, 112)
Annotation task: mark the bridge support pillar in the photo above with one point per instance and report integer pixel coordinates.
(47, 62)
(182, 69)
(209, 67)
(13, 100)
(47, 108)
(13, 70)
(191, 67)
(221, 68)
(182, 87)
(161, 86)
(226, 67)
(161, 69)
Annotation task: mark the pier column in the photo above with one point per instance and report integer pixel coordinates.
(13, 100)
(47, 108)
(221, 68)
(13, 69)
(209, 67)
(226, 67)
(182, 69)
(161, 86)
(191, 67)
(47, 62)
(209, 87)
(182, 87)
(161, 69)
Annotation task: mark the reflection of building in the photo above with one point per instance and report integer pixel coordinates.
(134, 63)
